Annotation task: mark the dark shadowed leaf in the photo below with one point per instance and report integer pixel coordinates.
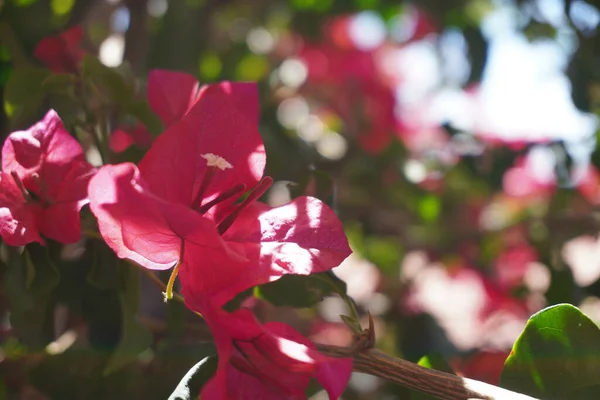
(42, 274)
(141, 110)
(28, 287)
(300, 290)
(135, 338)
(58, 82)
(105, 272)
(557, 356)
(316, 184)
(106, 78)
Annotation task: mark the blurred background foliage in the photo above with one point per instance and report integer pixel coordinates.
(457, 140)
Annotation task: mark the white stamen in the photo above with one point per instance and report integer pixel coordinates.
(214, 160)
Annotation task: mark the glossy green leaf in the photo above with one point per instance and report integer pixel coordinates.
(557, 356)
(135, 338)
(191, 384)
(301, 290)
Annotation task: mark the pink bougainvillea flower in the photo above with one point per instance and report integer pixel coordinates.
(589, 184)
(270, 361)
(172, 94)
(62, 53)
(42, 184)
(180, 205)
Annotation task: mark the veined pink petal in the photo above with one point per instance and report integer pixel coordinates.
(140, 226)
(18, 220)
(334, 375)
(243, 94)
(129, 220)
(270, 361)
(174, 167)
(46, 148)
(171, 94)
(301, 237)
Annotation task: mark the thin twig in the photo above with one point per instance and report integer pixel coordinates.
(438, 384)
(156, 281)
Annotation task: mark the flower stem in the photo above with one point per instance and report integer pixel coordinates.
(164, 288)
(347, 299)
(168, 293)
(437, 384)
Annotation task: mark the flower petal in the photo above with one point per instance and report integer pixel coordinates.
(270, 361)
(302, 237)
(174, 167)
(334, 375)
(171, 94)
(46, 148)
(129, 220)
(18, 220)
(61, 53)
(244, 95)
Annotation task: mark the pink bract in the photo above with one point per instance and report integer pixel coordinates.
(62, 53)
(271, 361)
(179, 204)
(43, 184)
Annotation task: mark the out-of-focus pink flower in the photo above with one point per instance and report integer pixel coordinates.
(62, 53)
(462, 300)
(348, 80)
(512, 264)
(522, 180)
(582, 255)
(589, 185)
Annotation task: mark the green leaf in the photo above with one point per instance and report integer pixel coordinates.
(106, 271)
(433, 361)
(23, 95)
(58, 83)
(385, 252)
(191, 384)
(301, 290)
(317, 184)
(135, 338)
(430, 208)
(352, 323)
(436, 361)
(141, 110)
(28, 288)
(41, 273)
(557, 356)
(106, 78)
